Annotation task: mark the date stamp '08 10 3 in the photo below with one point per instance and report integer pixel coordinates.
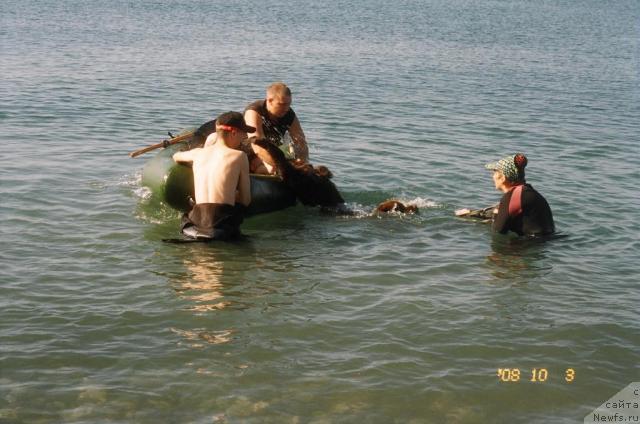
(533, 375)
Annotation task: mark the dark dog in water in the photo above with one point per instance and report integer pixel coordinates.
(396, 206)
(311, 185)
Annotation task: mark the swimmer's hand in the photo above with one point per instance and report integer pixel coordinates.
(462, 212)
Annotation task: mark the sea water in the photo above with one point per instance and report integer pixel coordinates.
(313, 318)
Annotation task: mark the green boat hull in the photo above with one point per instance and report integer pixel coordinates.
(172, 183)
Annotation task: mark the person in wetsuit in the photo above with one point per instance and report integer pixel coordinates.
(221, 182)
(272, 118)
(522, 209)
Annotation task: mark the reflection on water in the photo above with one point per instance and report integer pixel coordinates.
(202, 286)
(518, 259)
(202, 283)
(199, 338)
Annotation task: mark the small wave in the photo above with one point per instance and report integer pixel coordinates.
(421, 202)
(148, 209)
(155, 212)
(131, 180)
(134, 182)
(358, 211)
(144, 193)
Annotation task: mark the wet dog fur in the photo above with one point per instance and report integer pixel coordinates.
(311, 185)
(396, 206)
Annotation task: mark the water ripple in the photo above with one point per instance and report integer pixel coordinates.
(364, 318)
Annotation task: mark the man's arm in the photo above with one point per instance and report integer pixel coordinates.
(243, 195)
(185, 157)
(253, 119)
(299, 140)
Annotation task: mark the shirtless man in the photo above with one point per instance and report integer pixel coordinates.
(221, 182)
(272, 118)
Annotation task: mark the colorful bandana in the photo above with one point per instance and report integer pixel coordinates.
(508, 167)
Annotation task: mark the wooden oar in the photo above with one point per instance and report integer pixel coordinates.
(164, 143)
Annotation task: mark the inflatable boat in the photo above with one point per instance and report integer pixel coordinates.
(172, 183)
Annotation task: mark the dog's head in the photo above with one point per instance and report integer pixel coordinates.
(396, 206)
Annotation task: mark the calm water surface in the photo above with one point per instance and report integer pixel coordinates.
(314, 318)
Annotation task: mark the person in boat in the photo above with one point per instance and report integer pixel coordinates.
(272, 118)
(221, 182)
(522, 209)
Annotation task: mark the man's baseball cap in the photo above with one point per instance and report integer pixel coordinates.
(233, 121)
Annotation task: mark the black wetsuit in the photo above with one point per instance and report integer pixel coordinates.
(273, 128)
(215, 221)
(534, 217)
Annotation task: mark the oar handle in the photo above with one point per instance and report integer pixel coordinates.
(164, 143)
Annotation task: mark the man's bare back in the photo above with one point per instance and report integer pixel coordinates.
(221, 182)
(220, 174)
